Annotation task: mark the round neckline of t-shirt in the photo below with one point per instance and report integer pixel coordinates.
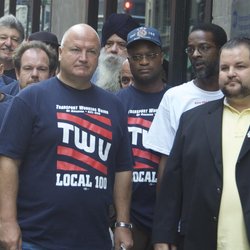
(72, 88)
(146, 93)
(204, 91)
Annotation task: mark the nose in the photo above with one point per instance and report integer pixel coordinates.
(8, 41)
(231, 72)
(144, 60)
(114, 48)
(196, 53)
(83, 56)
(34, 73)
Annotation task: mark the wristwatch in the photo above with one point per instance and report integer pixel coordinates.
(124, 224)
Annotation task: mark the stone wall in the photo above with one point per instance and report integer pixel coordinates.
(222, 14)
(67, 13)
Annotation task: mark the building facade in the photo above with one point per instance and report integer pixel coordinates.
(173, 18)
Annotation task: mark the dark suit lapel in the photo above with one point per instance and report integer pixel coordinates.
(213, 127)
(246, 145)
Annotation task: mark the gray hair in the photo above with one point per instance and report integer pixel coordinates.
(12, 22)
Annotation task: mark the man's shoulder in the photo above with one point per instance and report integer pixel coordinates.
(124, 91)
(204, 108)
(179, 89)
(39, 89)
(7, 80)
(103, 92)
(108, 96)
(10, 86)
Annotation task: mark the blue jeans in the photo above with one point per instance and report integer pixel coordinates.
(30, 246)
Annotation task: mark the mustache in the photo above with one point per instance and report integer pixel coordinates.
(198, 62)
(7, 48)
(232, 80)
(109, 58)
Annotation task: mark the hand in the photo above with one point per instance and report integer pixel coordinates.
(10, 235)
(164, 246)
(123, 236)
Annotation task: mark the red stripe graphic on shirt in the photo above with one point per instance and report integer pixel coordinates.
(99, 118)
(62, 165)
(82, 157)
(139, 165)
(146, 155)
(139, 121)
(85, 124)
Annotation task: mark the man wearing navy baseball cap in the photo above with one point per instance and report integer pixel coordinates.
(141, 100)
(143, 33)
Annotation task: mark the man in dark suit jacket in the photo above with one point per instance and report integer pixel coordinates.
(209, 167)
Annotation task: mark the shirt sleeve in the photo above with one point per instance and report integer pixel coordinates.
(16, 129)
(160, 136)
(124, 158)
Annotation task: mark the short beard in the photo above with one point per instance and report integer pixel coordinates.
(211, 69)
(108, 71)
(241, 93)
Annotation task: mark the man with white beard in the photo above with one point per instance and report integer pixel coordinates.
(114, 51)
(109, 66)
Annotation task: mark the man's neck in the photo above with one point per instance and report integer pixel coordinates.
(154, 87)
(239, 104)
(8, 65)
(78, 83)
(208, 84)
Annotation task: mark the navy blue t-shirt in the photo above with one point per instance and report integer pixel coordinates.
(71, 143)
(8, 85)
(10, 73)
(141, 108)
(4, 104)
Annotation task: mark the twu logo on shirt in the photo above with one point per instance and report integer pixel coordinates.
(84, 142)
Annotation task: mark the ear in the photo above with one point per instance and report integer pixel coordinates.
(59, 53)
(17, 74)
(162, 57)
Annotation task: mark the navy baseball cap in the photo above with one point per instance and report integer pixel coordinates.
(46, 37)
(144, 34)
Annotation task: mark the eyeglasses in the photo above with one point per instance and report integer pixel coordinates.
(202, 49)
(149, 57)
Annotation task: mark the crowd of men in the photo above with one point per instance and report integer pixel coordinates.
(98, 152)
